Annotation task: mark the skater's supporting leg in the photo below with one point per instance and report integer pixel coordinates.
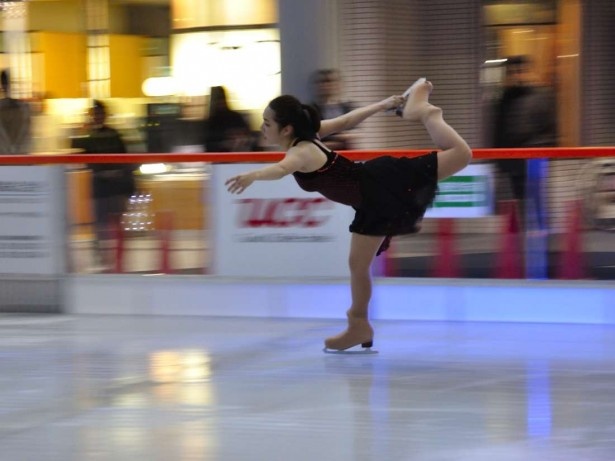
(362, 252)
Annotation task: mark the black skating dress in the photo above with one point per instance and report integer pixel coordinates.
(389, 195)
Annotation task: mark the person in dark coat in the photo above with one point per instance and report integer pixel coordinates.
(525, 116)
(15, 120)
(112, 184)
(226, 130)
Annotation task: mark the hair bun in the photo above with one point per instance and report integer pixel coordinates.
(312, 116)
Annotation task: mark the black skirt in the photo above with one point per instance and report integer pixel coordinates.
(395, 192)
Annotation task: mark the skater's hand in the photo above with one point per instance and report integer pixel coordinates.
(392, 102)
(237, 184)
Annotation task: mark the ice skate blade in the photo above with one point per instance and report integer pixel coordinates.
(362, 351)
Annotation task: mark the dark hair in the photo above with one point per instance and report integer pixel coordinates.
(303, 118)
(218, 100)
(99, 105)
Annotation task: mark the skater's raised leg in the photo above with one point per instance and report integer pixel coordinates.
(455, 153)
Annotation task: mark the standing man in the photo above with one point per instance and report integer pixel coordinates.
(112, 184)
(327, 99)
(525, 116)
(15, 120)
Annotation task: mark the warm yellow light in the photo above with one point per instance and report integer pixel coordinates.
(246, 62)
(180, 366)
(159, 86)
(153, 168)
(200, 13)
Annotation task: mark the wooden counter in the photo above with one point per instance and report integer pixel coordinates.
(185, 196)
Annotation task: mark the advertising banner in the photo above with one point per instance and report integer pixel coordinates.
(468, 194)
(275, 229)
(32, 220)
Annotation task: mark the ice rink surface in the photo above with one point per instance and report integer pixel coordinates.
(211, 388)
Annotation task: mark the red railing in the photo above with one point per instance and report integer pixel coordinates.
(258, 157)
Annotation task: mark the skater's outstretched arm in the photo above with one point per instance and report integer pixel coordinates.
(293, 161)
(354, 117)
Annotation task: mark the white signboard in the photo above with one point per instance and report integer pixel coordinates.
(467, 194)
(276, 229)
(32, 220)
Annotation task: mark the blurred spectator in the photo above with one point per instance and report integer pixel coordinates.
(112, 184)
(226, 130)
(525, 116)
(326, 84)
(15, 120)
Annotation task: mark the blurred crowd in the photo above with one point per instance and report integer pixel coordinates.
(522, 114)
(210, 124)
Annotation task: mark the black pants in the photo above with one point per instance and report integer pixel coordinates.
(515, 169)
(106, 211)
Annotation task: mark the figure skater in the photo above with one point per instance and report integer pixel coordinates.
(389, 195)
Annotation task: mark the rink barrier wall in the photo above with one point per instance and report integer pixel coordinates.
(552, 301)
(451, 300)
